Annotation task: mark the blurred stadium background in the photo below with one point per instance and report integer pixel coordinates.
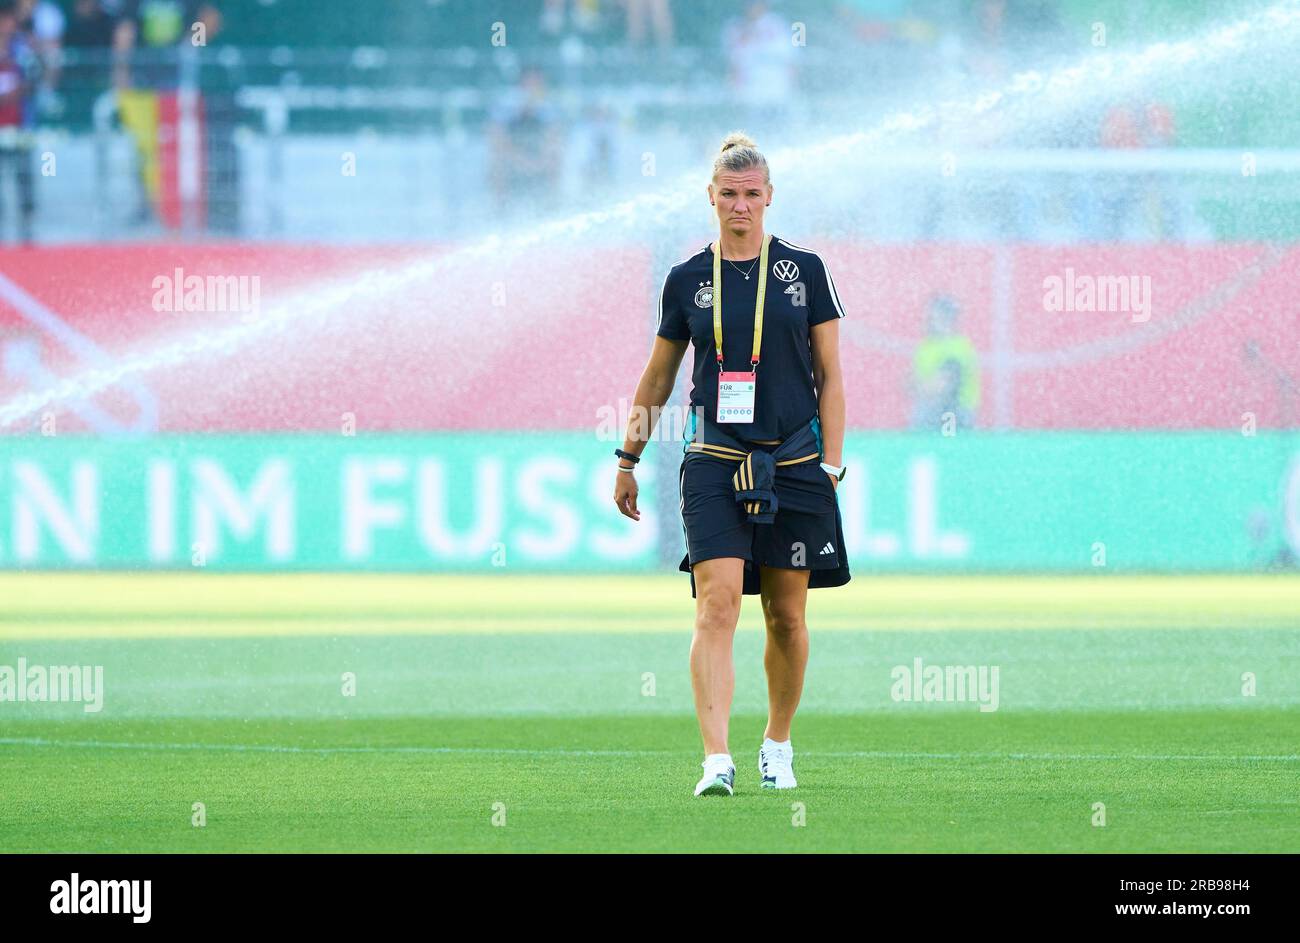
(392, 144)
(317, 285)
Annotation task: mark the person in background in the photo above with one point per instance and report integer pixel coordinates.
(596, 136)
(1138, 203)
(42, 22)
(149, 40)
(945, 372)
(154, 26)
(525, 148)
(867, 21)
(87, 40)
(657, 13)
(585, 15)
(18, 68)
(91, 26)
(760, 55)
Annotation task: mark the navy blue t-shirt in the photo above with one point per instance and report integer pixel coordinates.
(800, 293)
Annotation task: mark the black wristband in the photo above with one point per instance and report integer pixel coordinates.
(634, 459)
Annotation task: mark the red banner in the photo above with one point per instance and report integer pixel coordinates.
(275, 338)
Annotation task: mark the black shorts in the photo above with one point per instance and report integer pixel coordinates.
(805, 535)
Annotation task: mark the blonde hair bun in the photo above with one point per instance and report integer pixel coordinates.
(737, 139)
(739, 153)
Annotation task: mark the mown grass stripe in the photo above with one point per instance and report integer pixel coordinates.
(555, 751)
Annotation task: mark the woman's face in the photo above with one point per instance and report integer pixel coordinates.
(740, 199)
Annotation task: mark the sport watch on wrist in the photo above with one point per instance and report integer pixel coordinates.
(835, 472)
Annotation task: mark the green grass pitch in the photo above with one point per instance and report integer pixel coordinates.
(553, 713)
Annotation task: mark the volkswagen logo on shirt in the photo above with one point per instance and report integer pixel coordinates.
(785, 270)
(704, 297)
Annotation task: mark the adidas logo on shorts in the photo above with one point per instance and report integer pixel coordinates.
(825, 550)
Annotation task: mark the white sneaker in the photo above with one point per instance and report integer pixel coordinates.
(776, 763)
(719, 776)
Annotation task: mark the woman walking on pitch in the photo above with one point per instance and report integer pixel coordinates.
(763, 452)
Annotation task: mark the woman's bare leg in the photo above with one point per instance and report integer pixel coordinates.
(718, 585)
(785, 600)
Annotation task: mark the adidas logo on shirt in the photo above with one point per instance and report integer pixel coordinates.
(792, 289)
(825, 550)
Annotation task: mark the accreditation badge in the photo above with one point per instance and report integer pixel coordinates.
(736, 390)
(736, 396)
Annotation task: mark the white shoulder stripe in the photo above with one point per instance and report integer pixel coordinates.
(835, 297)
(830, 282)
(791, 245)
(663, 291)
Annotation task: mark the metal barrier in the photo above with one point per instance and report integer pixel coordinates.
(347, 145)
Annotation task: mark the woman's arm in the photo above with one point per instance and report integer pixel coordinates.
(653, 390)
(656, 385)
(830, 388)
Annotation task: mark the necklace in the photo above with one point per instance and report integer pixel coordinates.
(742, 271)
